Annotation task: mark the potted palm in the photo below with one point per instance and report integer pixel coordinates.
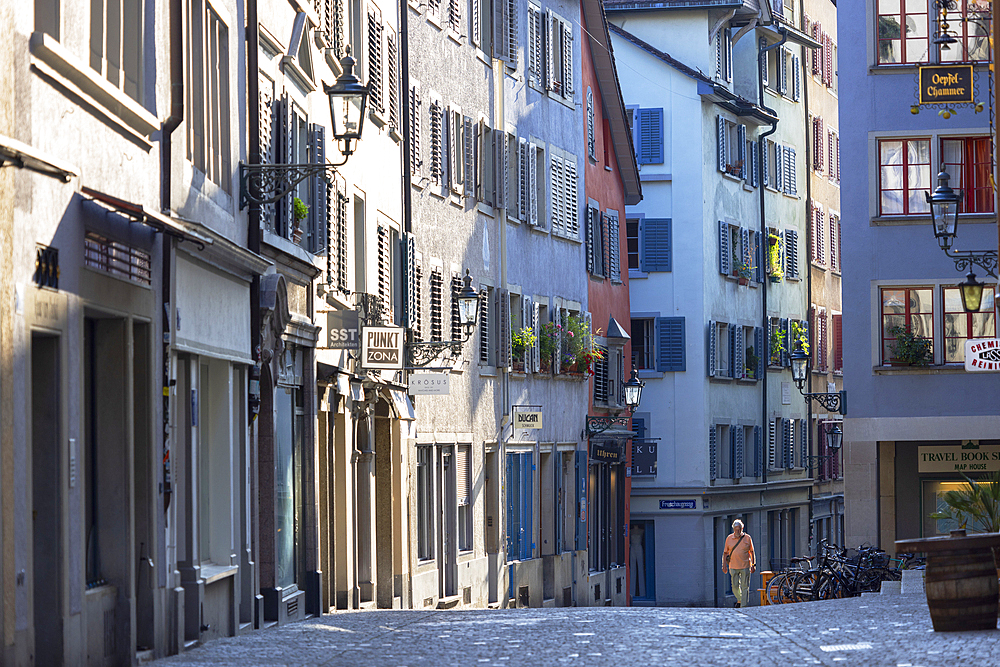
(908, 349)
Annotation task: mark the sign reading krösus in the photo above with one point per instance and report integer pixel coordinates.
(946, 84)
(382, 347)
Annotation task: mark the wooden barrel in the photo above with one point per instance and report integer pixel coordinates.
(960, 580)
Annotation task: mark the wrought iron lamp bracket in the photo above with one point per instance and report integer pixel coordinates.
(813, 462)
(964, 259)
(262, 184)
(833, 402)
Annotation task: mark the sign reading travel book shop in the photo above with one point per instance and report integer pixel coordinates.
(982, 354)
(969, 457)
(946, 84)
(382, 348)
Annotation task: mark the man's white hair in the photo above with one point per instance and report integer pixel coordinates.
(737, 523)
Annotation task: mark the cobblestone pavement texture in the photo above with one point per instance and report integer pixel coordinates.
(891, 630)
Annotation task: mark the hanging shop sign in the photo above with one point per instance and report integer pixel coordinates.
(382, 348)
(342, 330)
(946, 84)
(970, 457)
(608, 451)
(429, 384)
(528, 420)
(643, 459)
(982, 354)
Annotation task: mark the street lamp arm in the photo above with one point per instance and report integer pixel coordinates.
(262, 184)
(965, 259)
(833, 402)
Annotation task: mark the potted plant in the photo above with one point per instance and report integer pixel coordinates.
(774, 270)
(800, 336)
(521, 340)
(743, 271)
(777, 346)
(909, 349)
(575, 343)
(548, 338)
(976, 506)
(750, 362)
(299, 213)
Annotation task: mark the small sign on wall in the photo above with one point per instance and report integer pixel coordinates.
(382, 348)
(429, 384)
(982, 355)
(946, 84)
(786, 393)
(528, 420)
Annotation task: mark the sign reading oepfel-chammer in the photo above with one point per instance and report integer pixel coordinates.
(382, 347)
(946, 84)
(970, 457)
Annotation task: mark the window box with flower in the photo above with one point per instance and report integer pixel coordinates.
(577, 351)
(774, 270)
(521, 340)
(548, 339)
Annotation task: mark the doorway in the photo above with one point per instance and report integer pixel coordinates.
(448, 563)
(46, 499)
(144, 465)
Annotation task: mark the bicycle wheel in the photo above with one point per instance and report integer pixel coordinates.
(870, 580)
(803, 586)
(828, 587)
(774, 588)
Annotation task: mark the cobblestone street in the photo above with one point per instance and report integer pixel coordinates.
(891, 630)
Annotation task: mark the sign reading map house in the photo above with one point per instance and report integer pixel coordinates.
(946, 84)
(382, 348)
(982, 354)
(969, 457)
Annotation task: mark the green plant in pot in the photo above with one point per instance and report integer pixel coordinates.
(909, 349)
(774, 271)
(299, 212)
(800, 336)
(975, 506)
(521, 339)
(750, 364)
(548, 338)
(777, 346)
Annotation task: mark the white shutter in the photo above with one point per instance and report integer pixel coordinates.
(572, 221)
(475, 23)
(511, 6)
(796, 79)
(771, 443)
(567, 61)
(469, 153)
(522, 180)
(556, 197)
(536, 330)
(741, 149)
(416, 161)
(534, 47)
(721, 127)
(765, 176)
(551, 44)
(725, 251)
(713, 346)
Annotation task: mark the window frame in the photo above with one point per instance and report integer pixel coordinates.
(900, 16)
(960, 171)
(945, 313)
(884, 339)
(905, 165)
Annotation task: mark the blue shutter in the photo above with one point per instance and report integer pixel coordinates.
(527, 533)
(758, 347)
(712, 454)
(639, 427)
(651, 136)
(765, 178)
(803, 442)
(657, 245)
(732, 350)
(738, 462)
(725, 251)
(670, 355)
(712, 344)
(721, 131)
(512, 505)
(762, 56)
(581, 499)
(758, 453)
(786, 443)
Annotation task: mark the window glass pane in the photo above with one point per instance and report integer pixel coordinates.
(892, 152)
(888, 7)
(987, 302)
(892, 177)
(922, 325)
(918, 201)
(920, 301)
(953, 300)
(982, 325)
(892, 202)
(893, 301)
(955, 325)
(954, 350)
(919, 177)
(918, 152)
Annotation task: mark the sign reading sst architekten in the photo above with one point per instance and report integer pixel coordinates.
(382, 348)
(946, 84)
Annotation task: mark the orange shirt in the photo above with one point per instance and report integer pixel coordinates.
(742, 556)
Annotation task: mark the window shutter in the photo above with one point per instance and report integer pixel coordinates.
(712, 453)
(803, 442)
(793, 176)
(741, 149)
(600, 370)
(511, 41)
(416, 161)
(392, 79)
(713, 346)
(456, 149)
(591, 140)
(832, 163)
(567, 61)
(485, 163)
(656, 245)
(265, 140)
(764, 174)
(720, 71)
(522, 180)
(838, 344)
(650, 136)
(527, 310)
(469, 155)
(739, 464)
(725, 261)
(796, 79)
(499, 140)
(670, 351)
(592, 222)
(560, 323)
(474, 23)
(759, 256)
(786, 155)
(572, 205)
(758, 454)
(754, 164)
(501, 10)
(837, 144)
(437, 142)
(455, 16)
(721, 127)
(786, 443)
(284, 226)
(318, 216)
(739, 352)
(333, 239)
(771, 444)
(817, 31)
(408, 244)
(779, 166)
(785, 332)
(614, 247)
(758, 350)
(504, 341)
(731, 332)
(556, 197)
(820, 236)
(532, 191)
(384, 270)
(791, 253)
(822, 338)
(375, 96)
(463, 472)
(551, 46)
(534, 47)
(828, 53)
(727, 37)
(484, 326)
(342, 237)
(782, 70)
(819, 143)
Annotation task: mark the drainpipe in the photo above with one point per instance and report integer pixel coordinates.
(173, 121)
(761, 148)
(404, 71)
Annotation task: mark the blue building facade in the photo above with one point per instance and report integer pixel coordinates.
(896, 275)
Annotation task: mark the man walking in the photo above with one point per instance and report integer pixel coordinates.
(739, 561)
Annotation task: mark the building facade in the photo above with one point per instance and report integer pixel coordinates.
(716, 306)
(898, 276)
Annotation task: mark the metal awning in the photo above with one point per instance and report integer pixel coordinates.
(23, 156)
(157, 221)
